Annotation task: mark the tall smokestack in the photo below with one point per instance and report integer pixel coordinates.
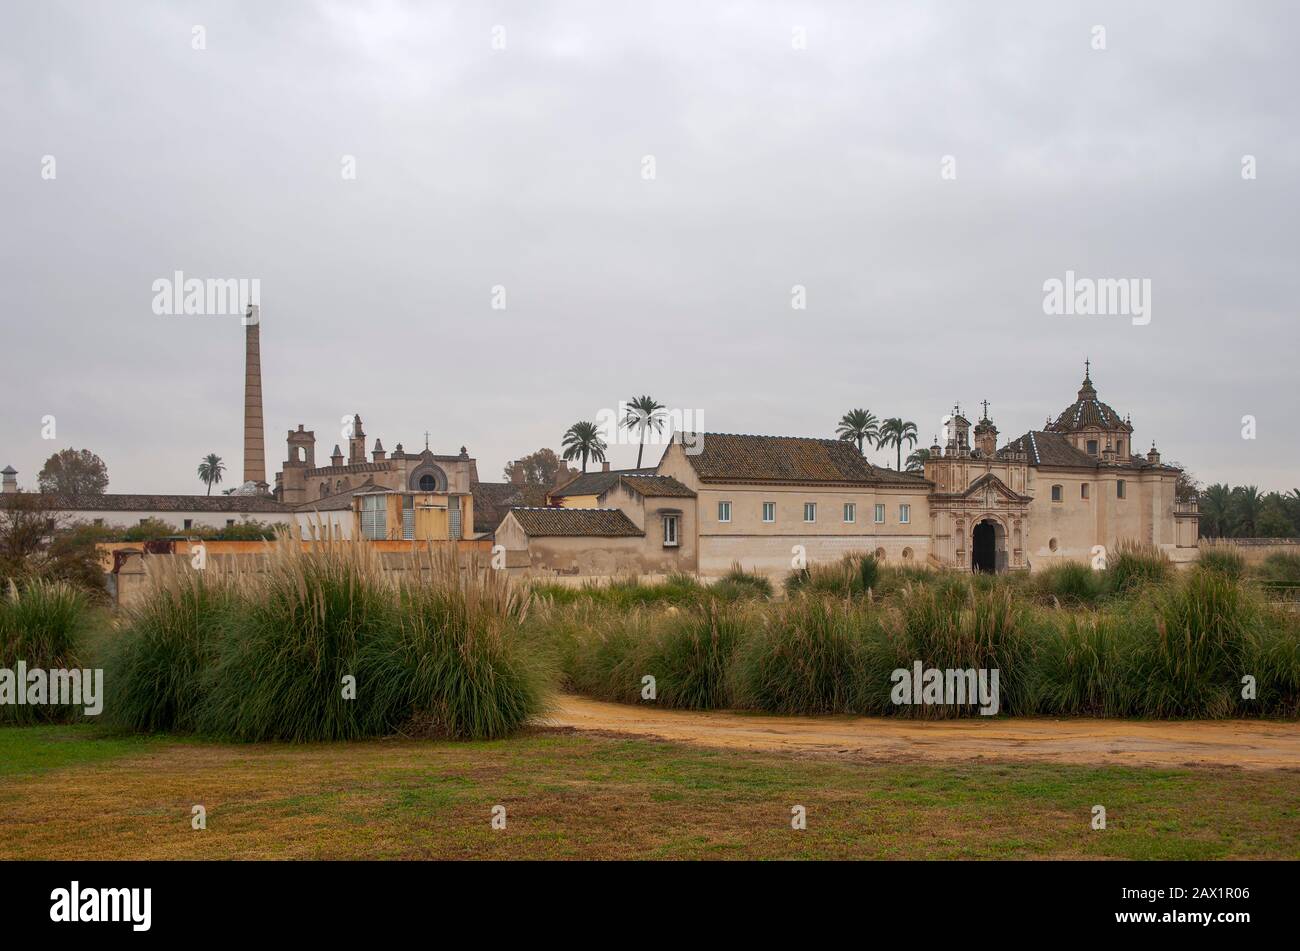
(254, 447)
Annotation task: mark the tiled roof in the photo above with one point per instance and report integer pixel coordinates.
(730, 457)
(602, 523)
(1087, 412)
(492, 500)
(657, 486)
(594, 483)
(1050, 449)
(338, 502)
(124, 502)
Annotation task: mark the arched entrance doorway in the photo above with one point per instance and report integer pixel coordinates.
(984, 547)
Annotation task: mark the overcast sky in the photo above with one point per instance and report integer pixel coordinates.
(524, 167)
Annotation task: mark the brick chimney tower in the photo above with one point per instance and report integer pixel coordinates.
(254, 445)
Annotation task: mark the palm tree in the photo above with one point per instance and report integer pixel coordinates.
(643, 413)
(582, 441)
(917, 460)
(1247, 504)
(859, 426)
(210, 470)
(1216, 510)
(894, 432)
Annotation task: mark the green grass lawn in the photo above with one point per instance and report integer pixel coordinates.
(71, 792)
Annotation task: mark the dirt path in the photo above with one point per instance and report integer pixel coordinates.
(1242, 743)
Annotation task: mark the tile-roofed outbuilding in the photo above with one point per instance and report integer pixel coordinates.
(657, 486)
(595, 483)
(602, 523)
(132, 502)
(492, 500)
(732, 457)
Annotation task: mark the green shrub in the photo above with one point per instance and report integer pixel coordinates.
(691, 654)
(608, 660)
(454, 665)
(1131, 565)
(1192, 647)
(851, 576)
(952, 626)
(1280, 568)
(278, 672)
(1071, 583)
(42, 623)
(809, 655)
(154, 669)
(1081, 667)
(741, 585)
(1223, 560)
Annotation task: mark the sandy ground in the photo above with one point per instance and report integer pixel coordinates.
(1247, 744)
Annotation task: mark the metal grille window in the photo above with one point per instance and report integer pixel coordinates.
(374, 523)
(408, 516)
(453, 518)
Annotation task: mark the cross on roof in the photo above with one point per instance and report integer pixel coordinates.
(1087, 368)
(426, 439)
(986, 409)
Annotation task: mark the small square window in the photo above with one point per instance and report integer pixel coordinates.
(99, 523)
(1092, 447)
(880, 513)
(810, 511)
(724, 511)
(850, 512)
(905, 514)
(230, 523)
(189, 523)
(769, 511)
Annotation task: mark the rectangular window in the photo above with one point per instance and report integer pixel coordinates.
(230, 523)
(189, 523)
(850, 512)
(99, 522)
(880, 513)
(724, 511)
(670, 531)
(408, 516)
(374, 523)
(769, 511)
(1092, 447)
(1083, 490)
(904, 514)
(810, 511)
(1119, 489)
(1056, 493)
